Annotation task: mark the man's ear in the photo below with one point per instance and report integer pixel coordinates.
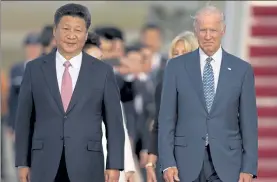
(87, 35)
(224, 30)
(54, 31)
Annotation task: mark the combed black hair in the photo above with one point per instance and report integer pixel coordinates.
(110, 32)
(133, 48)
(151, 26)
(75, 10)
(92, 40)
(46, 35)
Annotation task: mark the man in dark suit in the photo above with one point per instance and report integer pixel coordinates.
(112, 38)
(32, 51)
(93, 48)
(151, 36)
(64, 97)
(208, 115)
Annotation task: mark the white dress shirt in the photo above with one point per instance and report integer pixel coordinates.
(216, 63)
(156, 61)
(129, 164)
(74, 69)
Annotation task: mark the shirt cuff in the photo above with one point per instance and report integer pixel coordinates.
(168, 168)
(129, 78)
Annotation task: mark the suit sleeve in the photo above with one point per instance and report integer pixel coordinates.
(167, 118)
(249, 124)
(24, 121)
(112, 117)
(153, 144)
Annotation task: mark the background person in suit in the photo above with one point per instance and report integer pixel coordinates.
(32, 48)
(58, 131)
(181, 44)
(208, 115)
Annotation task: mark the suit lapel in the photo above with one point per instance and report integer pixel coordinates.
(194, 71)
(81, 83)
(224, 77)
(50, 74)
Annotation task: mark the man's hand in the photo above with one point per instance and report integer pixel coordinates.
(151, 175)
(245, 177)
(143, 157)
(150, 168)
(24, 174)
(171, 174)
(132, 66)
(129, 176)
(112, 175)
(11, 134)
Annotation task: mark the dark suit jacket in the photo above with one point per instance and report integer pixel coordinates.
(153, 144)
(16, 75)
(126, 89)
(43, 129)
(127, 95)
(231, 123)
(151, 106)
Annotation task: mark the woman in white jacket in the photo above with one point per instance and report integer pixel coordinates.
(129, 165)
(92, 48)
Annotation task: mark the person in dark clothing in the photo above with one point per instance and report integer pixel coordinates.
(64, 98)
(32, 46)
(92, 47)
(181, 44)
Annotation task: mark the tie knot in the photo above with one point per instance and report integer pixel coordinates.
(209, 59)
(67, 64)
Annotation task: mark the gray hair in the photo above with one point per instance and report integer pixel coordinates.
(208, 9)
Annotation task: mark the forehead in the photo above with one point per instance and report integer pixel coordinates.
(133, 53)
(208, 19)
(72, 21)
(146, 50)
(152, 31)
(179, 43)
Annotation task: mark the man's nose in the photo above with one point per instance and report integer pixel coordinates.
(208, 35)
(71, 35)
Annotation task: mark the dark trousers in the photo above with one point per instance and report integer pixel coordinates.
(62, 175)
(208, 173)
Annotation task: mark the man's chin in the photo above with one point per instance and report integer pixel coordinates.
(71, 50)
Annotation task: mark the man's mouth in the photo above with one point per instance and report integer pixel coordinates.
(70, 44)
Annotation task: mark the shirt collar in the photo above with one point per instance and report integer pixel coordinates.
(75, 61)
(217, 55)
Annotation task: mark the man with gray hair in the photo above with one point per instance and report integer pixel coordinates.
(208, 113)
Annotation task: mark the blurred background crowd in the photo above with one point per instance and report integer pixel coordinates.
(123, 27)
